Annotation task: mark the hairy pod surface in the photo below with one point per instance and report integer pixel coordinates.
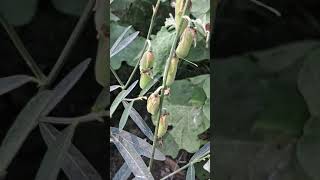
(147, 61)
(185, 43)
(178, 14)
(145, 78)
(163, 126)
(153, 103)
(172, 71)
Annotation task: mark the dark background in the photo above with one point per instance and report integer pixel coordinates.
(45, 38)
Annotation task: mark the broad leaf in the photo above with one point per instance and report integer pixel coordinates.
(54, 157)
(140, 145)
(135, 116)
(75, 165)
(12, 82)
(132, 158)
(25, 122)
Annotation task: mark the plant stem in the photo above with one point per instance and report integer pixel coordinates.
(22, 50)
(117, 77)
(178, 170)
(71, 42)
(155, 10)
(165, 75)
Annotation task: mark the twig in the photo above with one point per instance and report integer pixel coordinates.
(165, 75)
(71, 42)
(117, 77)
(22, 50)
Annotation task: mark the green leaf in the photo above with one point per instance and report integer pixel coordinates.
(132, 158)
(203, 151)
(200, 8)
(283, 56)
(66, 84)
(187, 120)
(308, 148)
(25, 122)
(198, 96)
(123, 94)
(199, 53)
(54, 157)
(135, 116)
(125, 115)
(141, 146)
(12, 82)
(71, 7)
(18, 12)
(123, 173)
(309, 82)
(131, 51)
(75, 165)
(191, 174)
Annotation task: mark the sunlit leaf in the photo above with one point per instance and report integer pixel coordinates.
(66, 84)
(25, 122)
(125, 115)
(141, 146)
(206, 166)
(114, 87)
(75, 165)
(123, 173)
(12, 82)
(123, 44)
(204, 150)
(132, 158)
(140, 122)
(123, 94)
(116, 43)
(191, 173)
(54, 157)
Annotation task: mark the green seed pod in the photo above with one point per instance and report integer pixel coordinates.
(185, 43)
(145, 78)
(163, 126)
(146, 61)
(172, 71)
(153, 103)
(178, 14)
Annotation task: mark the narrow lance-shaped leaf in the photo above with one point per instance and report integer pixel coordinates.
(125, 115)
(141, 146)
(120, 97)
(102, 101)
(191, 175)
(25, 122)
(75, 165)
(202, 151)
(124, 43)
(123, 173)
(66, 84)
(54, 157)
(12, 82)
(132, 158)
(135, 116)
(119, 39)
(114, 87)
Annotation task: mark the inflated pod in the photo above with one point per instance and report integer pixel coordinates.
(153, 103)
(163, 126)
(178, 14)
(186, 42)
(172, 71)
(147, 61)
(145, 78)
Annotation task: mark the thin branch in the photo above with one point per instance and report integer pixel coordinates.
(71, 42)
(69, 120)
(22, 50)
(117, 77)
(165, 75)
(155, 10)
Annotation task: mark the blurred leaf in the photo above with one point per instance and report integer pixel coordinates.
(12, 82)
(123, 173)
(18, 12)
(54, 157)
(100, 17)
(191, 173)
(102, 101)
(75, 165)
(204, 150)
(201, 9)
(308, 148)
(199, 53)
(113, 17)
(123, 94)
(71, 7)
(140, 145)
(206, 87)
(186, 119)
(66, 84)
(281, 57)
(309, 82)
(102, 62)
(133, 45)
(125, 115)
(135, 116)
(206, 166)
(132, 158)
(25, 122)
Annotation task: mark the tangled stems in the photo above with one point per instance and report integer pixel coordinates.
(165, 76)
(155, 10)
